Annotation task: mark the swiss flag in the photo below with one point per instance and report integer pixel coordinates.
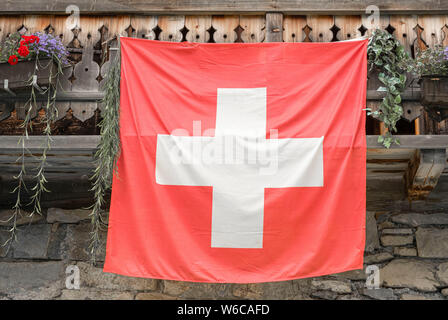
(239, 162)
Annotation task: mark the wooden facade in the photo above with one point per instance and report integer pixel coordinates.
(88, 39)
(80, 110)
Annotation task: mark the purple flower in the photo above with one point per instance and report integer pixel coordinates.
(446, 53)
(50, 46)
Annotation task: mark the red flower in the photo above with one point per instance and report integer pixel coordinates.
(13, 59)
(30, 39)
(26, 39)
(35, 39)
(23, 51)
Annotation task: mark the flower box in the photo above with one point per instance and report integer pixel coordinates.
(434, 96)
(19, 75)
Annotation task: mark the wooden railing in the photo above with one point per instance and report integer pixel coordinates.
(79, 103)
(87, 44)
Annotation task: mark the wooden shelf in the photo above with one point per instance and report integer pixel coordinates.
(76, 142)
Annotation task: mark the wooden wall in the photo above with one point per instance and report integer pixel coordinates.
(87, 42)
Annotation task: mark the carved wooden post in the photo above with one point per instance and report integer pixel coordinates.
(274, 27)
(424, 172)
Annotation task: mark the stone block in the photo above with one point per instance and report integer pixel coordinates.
(405, 252)
(153, 296)
(396, 240)
(67, 216)
(24, 218)
(398, 231)
(432, 243)
(32, 242)
(192, 290)
(78, 242)
(445, 292)
(95, 295)
(19, 277)
(442, 273)
(408, 296)
(414, 274)
(377, 258)
(332, 285)
(372, 241)
(352, 275)
(417, 219)
(93, 277)
(325, 295)
(58, 247)
(380, 294)
(269, 290)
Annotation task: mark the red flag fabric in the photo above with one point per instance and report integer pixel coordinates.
(239, 162)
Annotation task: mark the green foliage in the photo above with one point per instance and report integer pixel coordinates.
(107, 153)
(50, 115)
(432, 61)
(34, 47)
(9, 46)
(386, 55)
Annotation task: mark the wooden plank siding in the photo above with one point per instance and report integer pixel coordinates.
(222, 6)
(78, 105)
(87, 42)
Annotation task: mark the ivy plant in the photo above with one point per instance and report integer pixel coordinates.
(429, 62)
(386, 55)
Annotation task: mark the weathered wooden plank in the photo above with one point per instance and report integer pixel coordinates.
(432, 25)
(76, 142)
(274, 27)
(143, 26)
(62, 96)
(61, 27)
(171, 28)
(407, 95)
(349, 26)
(404, 30)
(386, 154)
(293, 28)
(34, 23)
(198, 26)
(58, 143)
(220, 6)
(9, 25)
(413, 142)
(320, 28)
(254, 28)
(372, 23)
(423, 172)
(116, 26)
(225, 28)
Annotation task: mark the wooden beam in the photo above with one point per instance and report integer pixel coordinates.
(221, 6)
(412, 142)
(76, 142)
(407, 95)
(423, 172)
(59, 143)
(274, 27)
(273, 36)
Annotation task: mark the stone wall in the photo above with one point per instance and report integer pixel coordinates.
(409, 245)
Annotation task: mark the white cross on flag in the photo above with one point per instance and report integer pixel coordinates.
(239, 162)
